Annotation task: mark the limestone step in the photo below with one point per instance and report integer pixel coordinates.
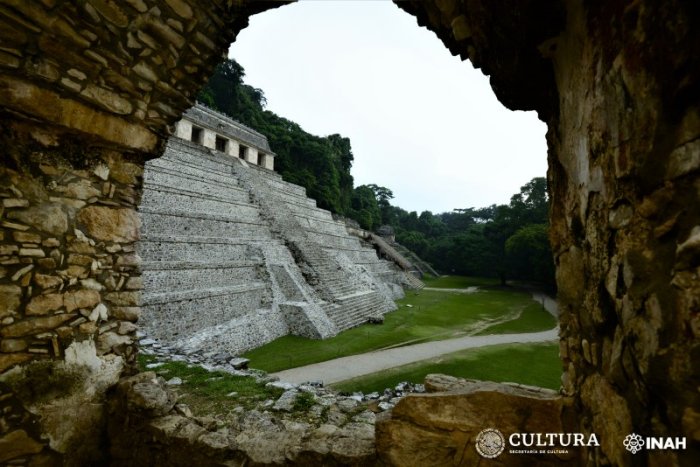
(229, 215)
(225, 240)
(306, 210)
(164, 248)
(194, 167)
(339, 287)
(178, 275)
(190, 223)
(199, 156)
(393, 277)
(165, 178)
(332, 276)
(237, 335)
(264, 173)
(338, 283)
(326, 226)
(181, 148)
(181, 314)
(356, 309)
(301, 201)
(154, 298)
(194, 183)
(413, 281)
(360, 298)
(185, 190)
(177, 265)
(357, 256)
(324, 239)
(281, 185)
(155, 200)
(380, 266)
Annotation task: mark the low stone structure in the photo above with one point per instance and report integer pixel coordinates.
(214, 130)
(234, 256)
(148, 427)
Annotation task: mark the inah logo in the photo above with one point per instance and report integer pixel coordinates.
(633, 443)
(490, 443)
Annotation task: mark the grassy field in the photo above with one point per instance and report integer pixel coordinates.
(532, 364)
(534, 318)
(422, 316)
(459, 282)
(211, 392)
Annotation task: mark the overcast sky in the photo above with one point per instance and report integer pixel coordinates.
(421, 122)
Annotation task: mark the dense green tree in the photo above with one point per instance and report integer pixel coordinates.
(528, 206)
(529, 254)
(430, 224)
(466, 253)
(414, 241)
(320, 164)
(531, 204)
(456, 220)
(472, 215)
(508, 241)
(384, 196)
(364, 208)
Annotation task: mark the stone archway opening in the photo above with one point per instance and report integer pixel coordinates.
(167, 281)
(88, 91)
(414, 113)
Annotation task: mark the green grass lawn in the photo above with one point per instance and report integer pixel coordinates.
(532, 364)
(533, 319)
(432, 315)
(459, 282)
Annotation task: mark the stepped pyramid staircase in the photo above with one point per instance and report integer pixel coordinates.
(417, 262)
(335, 263)
(234, 257)
(390, 252)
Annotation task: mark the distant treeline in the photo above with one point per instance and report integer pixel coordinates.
(506, 241)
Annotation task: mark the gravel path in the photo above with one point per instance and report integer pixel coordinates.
(550, 304)
(344, 368)
(340, 369)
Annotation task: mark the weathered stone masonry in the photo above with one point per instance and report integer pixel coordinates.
(96, 83)
(87, 90)
(69, 293)
(617, 84)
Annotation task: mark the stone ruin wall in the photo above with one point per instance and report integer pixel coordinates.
(617, 84)
(88, 91)
(69, 295)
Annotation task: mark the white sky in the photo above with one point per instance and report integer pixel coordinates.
(421, 122)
